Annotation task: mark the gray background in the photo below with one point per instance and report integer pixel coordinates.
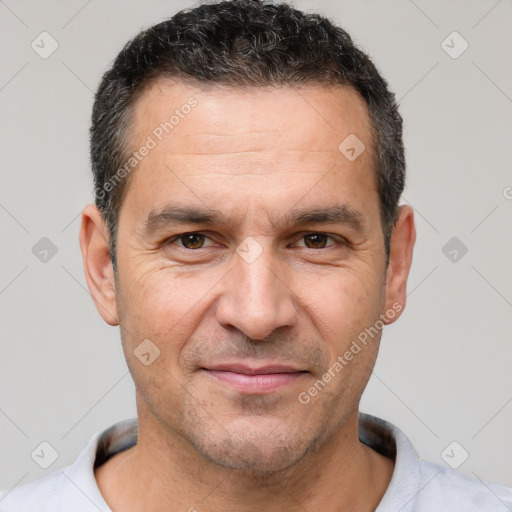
(443, 373)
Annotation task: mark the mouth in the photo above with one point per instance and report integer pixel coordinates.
(253, 379)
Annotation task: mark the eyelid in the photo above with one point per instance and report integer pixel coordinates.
(337, 239)
(174, 238)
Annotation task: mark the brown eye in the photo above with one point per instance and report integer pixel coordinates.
(316, 240)
(192, 240)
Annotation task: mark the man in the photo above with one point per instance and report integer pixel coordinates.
(247, 238)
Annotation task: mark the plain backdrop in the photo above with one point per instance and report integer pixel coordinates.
(443, 373)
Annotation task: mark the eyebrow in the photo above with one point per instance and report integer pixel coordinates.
(174, 214)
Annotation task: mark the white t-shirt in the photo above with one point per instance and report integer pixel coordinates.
(416, 485)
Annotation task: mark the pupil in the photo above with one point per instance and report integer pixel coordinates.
(317, 239)
(193, 240)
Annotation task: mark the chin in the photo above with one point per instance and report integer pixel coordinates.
(258, 457)
(258, 446)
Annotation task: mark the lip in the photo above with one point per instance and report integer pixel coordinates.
(254, 379)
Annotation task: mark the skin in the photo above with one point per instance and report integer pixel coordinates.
(252, 155)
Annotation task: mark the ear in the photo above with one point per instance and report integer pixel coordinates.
(400, 260)
(98, 269)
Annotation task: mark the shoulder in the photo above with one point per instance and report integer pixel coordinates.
(45, 491)
(60, 491)
(72, 487)
(446, 489)
(421, 486)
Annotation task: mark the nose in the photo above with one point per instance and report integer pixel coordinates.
(256, 299)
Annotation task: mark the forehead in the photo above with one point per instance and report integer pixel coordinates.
(222, 116)
(258, 142)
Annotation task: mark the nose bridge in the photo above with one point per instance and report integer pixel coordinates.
(255, 300)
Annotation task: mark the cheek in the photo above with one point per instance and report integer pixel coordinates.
(341, 306)
(164, 306)
(166, 310)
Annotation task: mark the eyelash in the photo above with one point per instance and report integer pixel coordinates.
(336, 239)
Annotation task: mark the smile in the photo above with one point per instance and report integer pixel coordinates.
(252, 380)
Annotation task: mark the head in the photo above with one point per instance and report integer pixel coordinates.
(248, 165)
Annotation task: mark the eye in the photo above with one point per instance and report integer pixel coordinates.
(193, 241)
(317, 240)
(189, 240)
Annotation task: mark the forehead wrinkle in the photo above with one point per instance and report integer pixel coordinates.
(281, 141)
(231, 134)
(264, 150)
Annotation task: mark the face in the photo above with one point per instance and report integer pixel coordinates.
(251, 255)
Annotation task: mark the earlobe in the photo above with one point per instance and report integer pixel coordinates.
(400, 260)
(98, 269)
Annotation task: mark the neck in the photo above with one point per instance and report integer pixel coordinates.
(162, 471)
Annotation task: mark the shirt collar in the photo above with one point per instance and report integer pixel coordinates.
(378, 434)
